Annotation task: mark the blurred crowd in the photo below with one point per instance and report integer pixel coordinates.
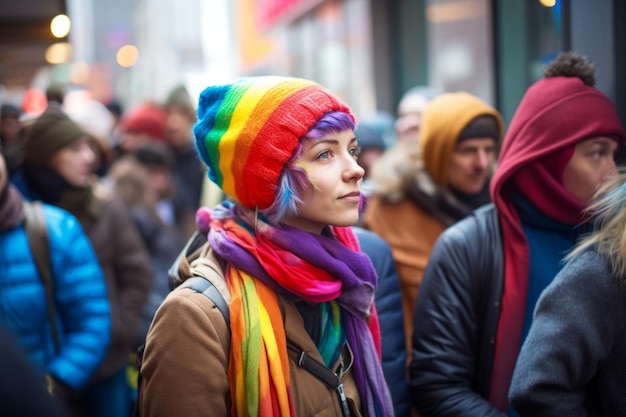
(128, 182)
(467, 222)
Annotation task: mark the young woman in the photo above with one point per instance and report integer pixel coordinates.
(303, 332)
(57, 169)
(69, 348)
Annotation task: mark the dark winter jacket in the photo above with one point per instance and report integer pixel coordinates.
(163, 244)
(389, 307)
(21, 390)
(459, 303)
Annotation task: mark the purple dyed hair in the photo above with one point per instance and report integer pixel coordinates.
(294, 180)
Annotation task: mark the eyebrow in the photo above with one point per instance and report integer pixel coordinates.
(330, 141)
(334, 141)
(601, 141)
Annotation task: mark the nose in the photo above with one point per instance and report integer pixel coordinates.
(483, 158)
(610, 172)
(88, 154)
(352, 171)
(612, 164)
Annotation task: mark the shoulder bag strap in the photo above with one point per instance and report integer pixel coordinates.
(37, 233)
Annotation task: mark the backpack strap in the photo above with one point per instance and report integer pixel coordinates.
(206, 287)
(37, 233)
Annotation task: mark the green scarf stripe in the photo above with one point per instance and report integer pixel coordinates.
(251, 347)
(332, 333)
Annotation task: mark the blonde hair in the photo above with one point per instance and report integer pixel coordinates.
(608, 210)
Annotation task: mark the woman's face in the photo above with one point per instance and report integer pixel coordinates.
(74, 162)
(334, 193)
(590, 165)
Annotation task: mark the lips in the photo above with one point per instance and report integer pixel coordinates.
(354, 197)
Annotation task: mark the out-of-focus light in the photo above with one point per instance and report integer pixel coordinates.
(79, 73)
(60, 26)
(59, 53)
(548, 3)
(127, 56)
(440, 12)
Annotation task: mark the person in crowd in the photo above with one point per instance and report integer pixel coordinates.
(69, 350)
(372, 146)
(144, 182)
(10, 139)
(385, 124)
(412, 201)
(116, 109)
(303, 335)
(97, 121)
(574, 357)
(57, 168)
(187, 167)
(486, 272)
(411, 111)
(55, 95)
(21, 391)
(141, 125)
(388, 306)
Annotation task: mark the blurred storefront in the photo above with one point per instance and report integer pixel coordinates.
(371, 51)
(327, 41)
(368, 51)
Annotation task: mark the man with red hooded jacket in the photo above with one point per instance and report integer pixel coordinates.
(486, 272)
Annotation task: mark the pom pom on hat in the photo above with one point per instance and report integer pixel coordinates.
(203, 219)
(247, 131)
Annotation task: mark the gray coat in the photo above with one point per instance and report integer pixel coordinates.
(573, 362)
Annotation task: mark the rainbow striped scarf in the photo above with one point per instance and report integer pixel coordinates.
(264, 261)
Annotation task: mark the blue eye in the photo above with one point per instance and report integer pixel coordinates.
(323, 155)
(355, 151)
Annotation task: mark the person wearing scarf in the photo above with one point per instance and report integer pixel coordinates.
(285, 258)
(417, 192)
(486, 273)
(58, 169)
(81, 309)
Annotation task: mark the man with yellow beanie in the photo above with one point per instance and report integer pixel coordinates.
(441, 179)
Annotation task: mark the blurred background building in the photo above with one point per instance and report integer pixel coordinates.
(368, 51)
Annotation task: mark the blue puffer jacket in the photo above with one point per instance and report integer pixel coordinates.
(82, 310)
(389, 307)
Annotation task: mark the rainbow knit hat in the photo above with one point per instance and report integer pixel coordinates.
(247, 131)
